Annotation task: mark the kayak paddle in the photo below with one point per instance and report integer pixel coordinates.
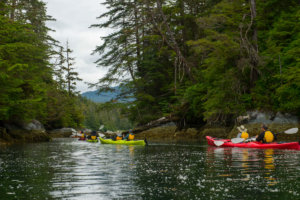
(218, 143)
(233, 140)
(237, 140)
(291, 131)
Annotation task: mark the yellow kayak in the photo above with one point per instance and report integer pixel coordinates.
(130, 142)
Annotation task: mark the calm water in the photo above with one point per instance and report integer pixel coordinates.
(70, 169)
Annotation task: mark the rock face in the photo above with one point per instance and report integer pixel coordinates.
(32, 131)
(63, 132)
(270, 118)
(34, 125)
(252, 120)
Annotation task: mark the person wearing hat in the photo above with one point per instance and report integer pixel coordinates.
(242, 132)
(265, 136)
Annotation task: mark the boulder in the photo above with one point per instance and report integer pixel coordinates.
(21, 128)
(256, 117)
(34, 125)
(63, 132)
(32, 131)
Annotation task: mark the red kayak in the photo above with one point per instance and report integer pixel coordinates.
(81, 138)
(257, 145)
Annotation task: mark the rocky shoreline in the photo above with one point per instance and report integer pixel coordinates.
(22, 136)
(252, 120)
(169, 134)
(32, 131)
(35, 132)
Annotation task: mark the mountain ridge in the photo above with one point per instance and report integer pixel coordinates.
(101, 97)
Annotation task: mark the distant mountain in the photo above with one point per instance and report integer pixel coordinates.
(103, 96)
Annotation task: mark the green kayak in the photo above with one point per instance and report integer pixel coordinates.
(130, 142)
(92, 140)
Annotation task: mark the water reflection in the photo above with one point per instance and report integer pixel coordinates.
(257, 170)
(70, 169)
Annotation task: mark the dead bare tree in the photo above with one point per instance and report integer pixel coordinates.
(160, 22)
(251, 46)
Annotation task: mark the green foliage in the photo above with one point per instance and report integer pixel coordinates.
(63, 110)
(22, 85)
(112, 115)
(204, 60)
(28, 90)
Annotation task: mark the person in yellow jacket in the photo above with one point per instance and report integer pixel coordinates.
(82, 134)
(242, 132)
(129, 135)
(94, 135)
(265, 136)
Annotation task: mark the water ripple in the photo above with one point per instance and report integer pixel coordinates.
(71, 169)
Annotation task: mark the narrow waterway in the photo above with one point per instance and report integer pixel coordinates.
(71, 169)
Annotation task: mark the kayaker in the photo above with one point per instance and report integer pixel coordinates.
(265, 136)
(82, 134)
(118, 137)
(129, 135)
(94, 135)
(242, 132)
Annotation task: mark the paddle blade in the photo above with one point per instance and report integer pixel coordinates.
(237, 140)
(218, 143)
(291, 131)
(252, 139)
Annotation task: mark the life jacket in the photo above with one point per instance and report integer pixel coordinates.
(93, 137)
(131, 137)
(244, 135)
(269, 137)
(82, 135)
(118, 138)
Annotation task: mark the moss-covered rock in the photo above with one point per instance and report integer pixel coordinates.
(62, 133)
(169, 134)
(22, 136)
(218, 132)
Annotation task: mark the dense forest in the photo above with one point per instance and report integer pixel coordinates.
(37, 77)
(110, 116)
(196, 61)
(202, 61)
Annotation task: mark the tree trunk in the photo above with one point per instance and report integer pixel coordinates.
(13, 10)
(68, 69)
(171, 42)
(253, 14)
(137, 37)
(254, 57)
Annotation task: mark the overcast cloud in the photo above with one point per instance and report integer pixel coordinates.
(73, 18)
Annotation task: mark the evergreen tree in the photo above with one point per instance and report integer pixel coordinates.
(59, 69)
(203, 61)
(71, 76)
(26, 74)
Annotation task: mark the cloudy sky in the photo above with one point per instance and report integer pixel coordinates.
(73, 18)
